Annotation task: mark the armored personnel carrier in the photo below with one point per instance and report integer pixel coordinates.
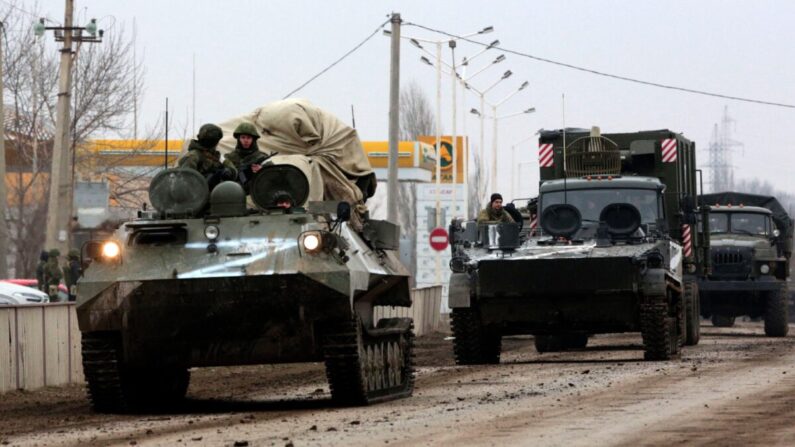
(615, 254)
(750, 250)
(203, 279)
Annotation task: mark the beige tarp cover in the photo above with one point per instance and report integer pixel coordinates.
(296, 126)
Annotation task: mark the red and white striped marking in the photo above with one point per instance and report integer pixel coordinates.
(669, 150)
(546, 156)
(533, 224)
(687, 240)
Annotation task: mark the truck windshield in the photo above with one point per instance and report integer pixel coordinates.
(590, 202)
(740, 223)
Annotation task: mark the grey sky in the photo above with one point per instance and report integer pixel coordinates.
(251, 52)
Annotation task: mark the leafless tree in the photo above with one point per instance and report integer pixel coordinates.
(106, 81)
(416, 116)
(478, 182)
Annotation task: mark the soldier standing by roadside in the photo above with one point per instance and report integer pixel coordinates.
(71, 273)
(53, 273)
(41, 277)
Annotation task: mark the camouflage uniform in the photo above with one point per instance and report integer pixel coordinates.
(490, 215)
(244, 158)
(202, 156)
(41, 278)
(71, 273)
(53, 273)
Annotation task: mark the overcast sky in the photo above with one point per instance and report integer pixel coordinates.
(252, 52)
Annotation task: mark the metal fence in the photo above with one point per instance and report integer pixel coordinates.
(425, 310)
(40, 346)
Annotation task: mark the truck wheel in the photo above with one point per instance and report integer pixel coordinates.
(692, 313)
(659, 329)
(722, 320)
(549, 343)
(473, 344)
(776, 314)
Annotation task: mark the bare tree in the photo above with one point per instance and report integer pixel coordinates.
(107, 80)
(478, 182)
(416, 117)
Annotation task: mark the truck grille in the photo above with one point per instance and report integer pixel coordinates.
(727, 257)
(731, 262)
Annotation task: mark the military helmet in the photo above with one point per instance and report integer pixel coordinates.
(246, 129)
(73, 254)
(209, 135)
(54, 253)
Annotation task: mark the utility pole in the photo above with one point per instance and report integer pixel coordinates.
(60, 200)
(394, 121)
(3, 195)
(58, 210)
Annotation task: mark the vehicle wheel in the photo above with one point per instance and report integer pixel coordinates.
(114, 388)
(722, 320)
(776, 324)
(367, 367)
(473, 344)
(659, 328)
(692, 313)
(549, 343)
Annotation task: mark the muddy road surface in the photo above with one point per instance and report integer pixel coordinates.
(736, 387)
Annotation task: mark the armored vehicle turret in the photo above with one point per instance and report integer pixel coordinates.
(211, 279)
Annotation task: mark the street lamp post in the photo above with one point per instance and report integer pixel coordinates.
(496, 119)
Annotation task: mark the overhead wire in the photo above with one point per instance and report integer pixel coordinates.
(329, 67)
(604, 74)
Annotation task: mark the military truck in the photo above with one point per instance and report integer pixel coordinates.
(750, 252)
(618, 251)
(209, 279)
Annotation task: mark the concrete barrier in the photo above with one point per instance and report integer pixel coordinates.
(425, 310)
(40, 346)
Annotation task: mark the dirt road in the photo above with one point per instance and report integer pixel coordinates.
(735, 388)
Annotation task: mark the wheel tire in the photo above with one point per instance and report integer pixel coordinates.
(473, 344)
(692, 313)
(659, 329)
(719, 320)
(549, 343)
(776, 324)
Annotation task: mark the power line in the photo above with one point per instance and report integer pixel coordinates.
(351, 51)
(607, 75)
(25, 11)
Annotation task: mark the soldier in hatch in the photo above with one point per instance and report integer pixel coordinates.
(494, 213)
(202, 156)
(246, 157)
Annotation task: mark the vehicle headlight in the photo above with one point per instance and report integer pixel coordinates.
(211, 232)
(764, 269)
(110, 250)
(312, 241)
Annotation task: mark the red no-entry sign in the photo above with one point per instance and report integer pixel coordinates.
(438, 239)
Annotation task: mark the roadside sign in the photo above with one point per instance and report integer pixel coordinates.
(438, 239)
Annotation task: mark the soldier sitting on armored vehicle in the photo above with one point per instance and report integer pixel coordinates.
(494, 213)
(202, 156)
(246, 157)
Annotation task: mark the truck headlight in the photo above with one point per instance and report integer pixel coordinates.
(764, 269)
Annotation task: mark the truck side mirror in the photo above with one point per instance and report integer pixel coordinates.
(343, 212)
